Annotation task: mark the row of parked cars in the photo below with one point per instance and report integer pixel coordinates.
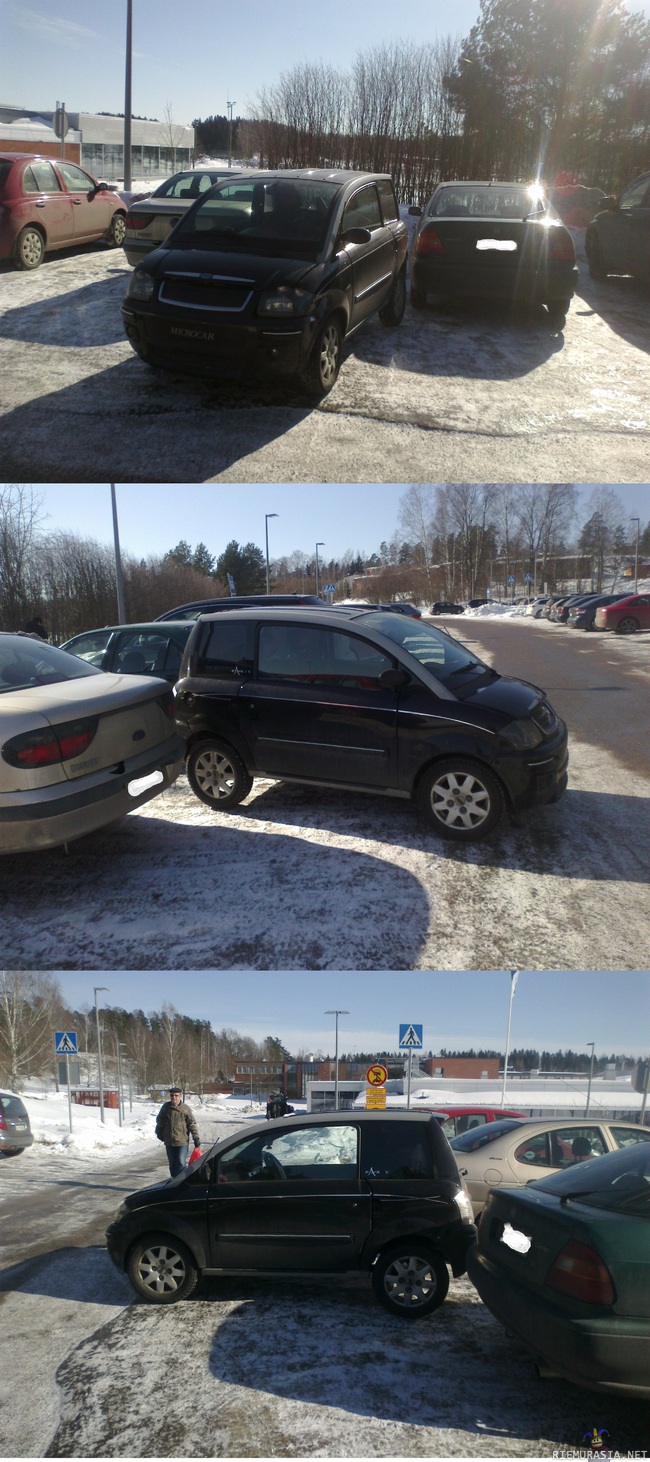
(560, 1256)
(624, 613)
(251, 273)
(350, 698)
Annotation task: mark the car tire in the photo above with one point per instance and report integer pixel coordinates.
(628, 625)
(557, 312)
(117, 231)
(462, 798)
(217, 775)
(161, 1269)
(410, 1279)
(12, 1151)
(597, 269)
(319, 374)
(393, 311)
(30, 248)
(418, 298)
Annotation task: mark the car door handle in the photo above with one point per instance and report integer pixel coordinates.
(41, 205)
(77, 202)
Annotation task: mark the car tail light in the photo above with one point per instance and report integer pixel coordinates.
(52, 744)
(168, 704)
(580, 1272)
(561, 248)
(138, 220)
(2, 1121)
(429, 242)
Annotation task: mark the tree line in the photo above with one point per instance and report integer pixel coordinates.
(452, 541)
(534, 89)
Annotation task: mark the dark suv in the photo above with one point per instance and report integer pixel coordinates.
(15, 1131)
(268, 273)
(367, 700)
(336, 1193)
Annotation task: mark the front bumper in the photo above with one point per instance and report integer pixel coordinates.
(46, 817)
(206, 346)
(604, 1351)
(536, 778)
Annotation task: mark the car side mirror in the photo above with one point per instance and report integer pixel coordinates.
(609, 203)
(394, 679)
(415, 211)
(103, 188)
(356, 236)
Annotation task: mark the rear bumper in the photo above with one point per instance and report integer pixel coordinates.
(204, 346)
(49, 816)
(15, 1141)
(437, 276)
(606, 1352)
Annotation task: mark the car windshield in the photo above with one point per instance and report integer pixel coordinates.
(480, 1136)
(445, 657)
(618, 1180)
(493, 200)
(25, 663)
(281, 217)
(187, 185)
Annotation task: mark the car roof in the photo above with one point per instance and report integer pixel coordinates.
(318, 175)
(310, 613)
(159, 625)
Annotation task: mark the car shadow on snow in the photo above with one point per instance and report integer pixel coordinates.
(469, 339)
(82, 318)
(174, 428)
(220, 896)
(84, 1275)
(622, 302)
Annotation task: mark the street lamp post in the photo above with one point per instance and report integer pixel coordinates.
(319, 545)
(514, 976)
(268, 570)
(99, 1050)
(127, 100)
(336, 1055)
(636, 556)
(591, 1072)
(119, 580)
(120, 1106)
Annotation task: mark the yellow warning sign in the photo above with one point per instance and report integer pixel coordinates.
(375, 1097)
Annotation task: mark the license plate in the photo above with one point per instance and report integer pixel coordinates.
(142, 784)
(20, 1126)
(502, 246)
(514, 1239)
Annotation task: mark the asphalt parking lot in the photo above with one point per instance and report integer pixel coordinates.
(304, 878)
(449, 396)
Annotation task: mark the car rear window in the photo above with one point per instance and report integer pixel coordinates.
(393, 1150)
(26, 663)
(12, 1106)
(226, 649)
(40, 177)
(500, 201)
(618, 1180)
(479, 1137)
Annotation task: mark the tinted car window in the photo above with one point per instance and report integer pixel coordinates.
(227, 650)
(636, 195)
(471, 1141)
(363, 210)
(40, 177)
(90, 647)
(5, 169)
(301, 652)
(25, 663)
(12, 1106)
(395, 1152)
(285, 217)
(561, 1148)
(483, 202)
(627, 1136)
(437, 652)
(620, 1180)
(389, 207)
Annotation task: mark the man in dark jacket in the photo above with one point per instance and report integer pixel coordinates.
(174, 1126)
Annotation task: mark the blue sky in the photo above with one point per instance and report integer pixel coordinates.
(154, 518)
(551, 1010)
(199, 56)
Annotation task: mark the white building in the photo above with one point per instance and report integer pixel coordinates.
(96, 142)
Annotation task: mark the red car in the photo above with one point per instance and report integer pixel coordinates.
(455, 1120)
(48, 203)
(626, 616)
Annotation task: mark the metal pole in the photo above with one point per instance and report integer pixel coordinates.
(591, 1072)
(644, 1101)
(120, 1109)
(408, 1089)
(514, 976)
(127, 101)
(121, 607)
(636, 556)
(336, 1013)
(63, 156)
(318, 545)
(67, 1077)
(268, 567)
(99, 1050)
(230, 106)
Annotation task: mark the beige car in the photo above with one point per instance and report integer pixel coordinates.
(512, 1153)
(78, 748)
(150, 219)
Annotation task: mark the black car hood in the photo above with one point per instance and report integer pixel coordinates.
(514, 699)
(265, 272)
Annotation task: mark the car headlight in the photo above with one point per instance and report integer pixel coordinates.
(141, 285)
(121, 1212)
(522, 734)
(284, 301)
(463, 1204)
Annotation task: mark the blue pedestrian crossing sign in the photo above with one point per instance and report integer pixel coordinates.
(410, 1037)
(65, 1043)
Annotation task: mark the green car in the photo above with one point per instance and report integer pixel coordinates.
(134, 649)
(565, 1266)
